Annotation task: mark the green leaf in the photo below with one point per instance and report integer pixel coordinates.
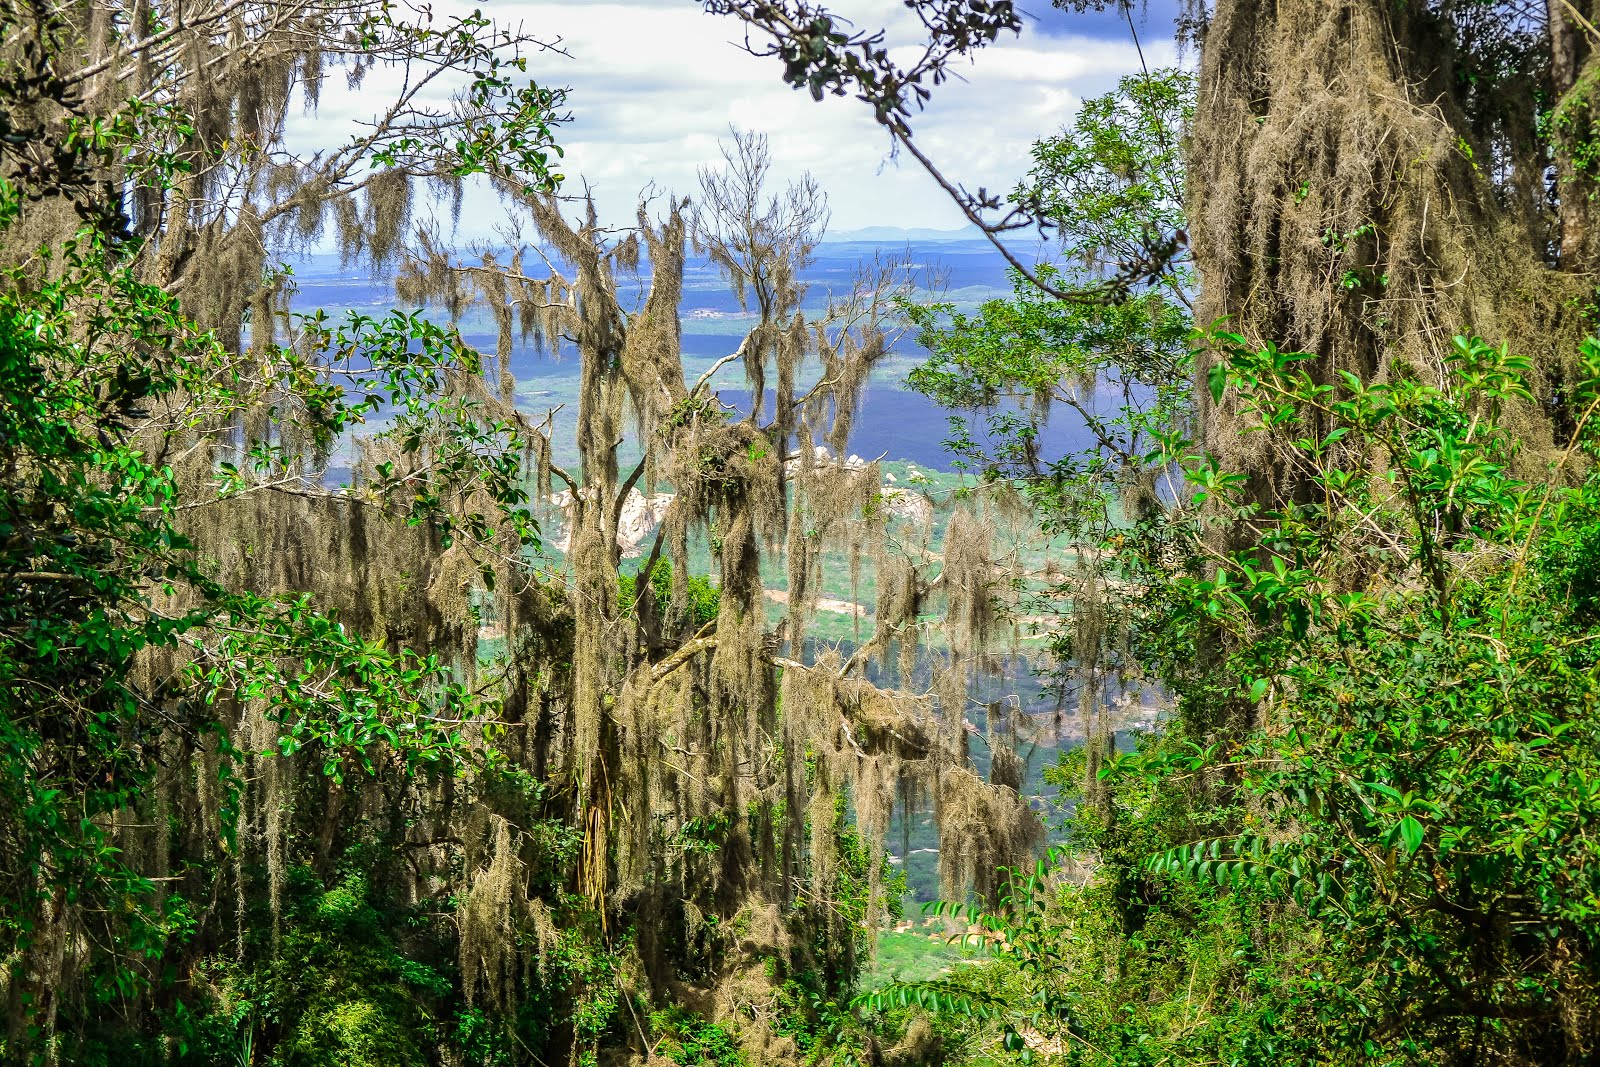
(1410, 832)
(1217, 380)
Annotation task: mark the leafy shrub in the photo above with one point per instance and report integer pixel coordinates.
(690, 1041)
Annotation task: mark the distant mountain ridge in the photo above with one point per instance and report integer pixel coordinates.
(328, 258)
(895, 234)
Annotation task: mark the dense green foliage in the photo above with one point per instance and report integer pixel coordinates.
(1361, 834)
(1364, 837)
(1422, 765)
(87, 518)
(701, 597)
(127, 652)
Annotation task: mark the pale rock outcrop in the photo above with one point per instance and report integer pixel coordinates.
(909, 505)
(641, 514)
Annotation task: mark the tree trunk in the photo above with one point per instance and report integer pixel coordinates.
(1348, 200)
(1572, 76)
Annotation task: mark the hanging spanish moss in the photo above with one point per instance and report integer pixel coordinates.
(672, 784)
(1368, 210)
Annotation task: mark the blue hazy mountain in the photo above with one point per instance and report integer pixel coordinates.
(894, 422)
(896, 236)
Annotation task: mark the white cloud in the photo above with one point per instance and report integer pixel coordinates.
(655, 83)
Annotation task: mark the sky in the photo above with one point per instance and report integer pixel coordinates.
(655, 84)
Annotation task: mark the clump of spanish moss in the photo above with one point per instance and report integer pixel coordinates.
(1368, 206)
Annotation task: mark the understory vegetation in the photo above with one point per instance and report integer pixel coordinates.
(335, 730)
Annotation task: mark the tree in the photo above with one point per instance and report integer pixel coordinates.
(1368, 813)
(1123, 370)
(267, 787)
(1400, 873)
(1403, 188)
(143, 675)
(1345, 882)
(683, 724)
